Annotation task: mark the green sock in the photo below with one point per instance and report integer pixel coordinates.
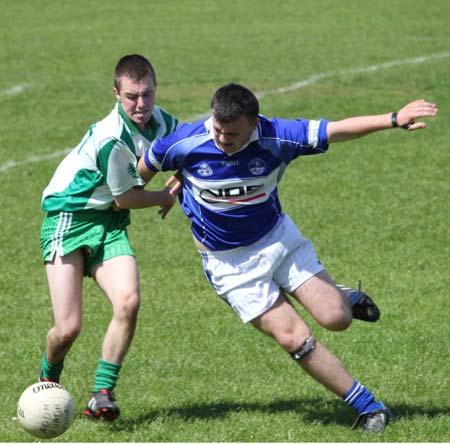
(106, 375)
(49, 370)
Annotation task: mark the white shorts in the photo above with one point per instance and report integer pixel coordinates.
(249, 278)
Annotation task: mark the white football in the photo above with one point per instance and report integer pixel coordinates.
(45, 410)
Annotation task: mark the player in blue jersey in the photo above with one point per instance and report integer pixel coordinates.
(83, 234)
(253, 254)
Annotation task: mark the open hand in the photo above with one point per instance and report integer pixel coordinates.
(406, 117)
(174, 185)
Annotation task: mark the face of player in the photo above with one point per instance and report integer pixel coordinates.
(232, 136)
(137, 99)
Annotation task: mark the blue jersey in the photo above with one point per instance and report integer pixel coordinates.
(232, 199)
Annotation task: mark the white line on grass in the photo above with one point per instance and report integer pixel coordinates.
(326, 75)
(14, 163)
(295, 86)
(14, 90)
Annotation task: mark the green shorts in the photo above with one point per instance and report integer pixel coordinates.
(101, 234)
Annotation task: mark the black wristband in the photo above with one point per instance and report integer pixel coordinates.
(395, 123)
(394, 120)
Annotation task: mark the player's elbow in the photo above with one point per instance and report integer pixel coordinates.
(123, 201)
(119, 205)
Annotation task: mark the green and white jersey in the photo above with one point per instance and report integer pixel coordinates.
(104, 164)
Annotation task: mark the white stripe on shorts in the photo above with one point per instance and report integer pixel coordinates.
(64, 224)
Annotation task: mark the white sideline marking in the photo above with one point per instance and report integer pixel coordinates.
(14, 90)
(373, 68)
(14, 163)
(295, 86)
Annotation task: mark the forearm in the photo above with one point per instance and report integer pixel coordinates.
(136, 198)
(355, 127)
(406, 118)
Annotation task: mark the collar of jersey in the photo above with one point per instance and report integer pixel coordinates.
(134, 129)
(253, 137)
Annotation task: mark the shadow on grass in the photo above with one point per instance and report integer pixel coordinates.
(310, 410)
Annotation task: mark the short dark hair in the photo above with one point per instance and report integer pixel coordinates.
(134, 66)
(232, 101)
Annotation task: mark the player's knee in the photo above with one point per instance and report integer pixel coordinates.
(67, 332)
(288, 339)
(127, 306)
(336, 318)
(288, 342)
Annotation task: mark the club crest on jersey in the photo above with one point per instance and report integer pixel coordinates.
(257, 166)
(205, 170)
(132, 171)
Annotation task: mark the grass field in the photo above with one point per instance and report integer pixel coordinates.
(377, 209)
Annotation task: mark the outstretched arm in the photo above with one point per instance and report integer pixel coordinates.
(136, 198)
(355, 127)
(173, 186)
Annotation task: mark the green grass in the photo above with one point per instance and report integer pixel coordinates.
(377, 209)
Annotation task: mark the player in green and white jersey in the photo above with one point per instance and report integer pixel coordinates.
(84, 232)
